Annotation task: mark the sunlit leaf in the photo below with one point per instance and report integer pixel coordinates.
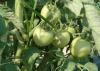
(75, 6)
(93, 18)
(9, 14)
(87, 1)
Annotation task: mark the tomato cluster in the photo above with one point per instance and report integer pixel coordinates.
(60, 38)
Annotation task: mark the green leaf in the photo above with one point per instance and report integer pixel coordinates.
(75, 6)
(11, 67)
(44, 64)
(19, 9)
(87, 1)
(91, 67)
(2, 46)
(9, 14)
(30, 56)
(3, 26)
(93, 18)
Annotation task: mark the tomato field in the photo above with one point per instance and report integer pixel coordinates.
(49, 35)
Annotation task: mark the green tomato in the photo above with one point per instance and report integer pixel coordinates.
(51, 12)
(80, 47)
(42, 37)
(89, 66)
(45, 12)
(61, 39)
(71, 30)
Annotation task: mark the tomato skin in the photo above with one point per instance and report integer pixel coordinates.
(45, 11)
(91, 66)
(80, 47)
(51, 12)
(71, 30)
(42, 37)
(61, 39)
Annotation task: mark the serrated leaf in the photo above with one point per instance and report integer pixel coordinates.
(3, 26)
(11, 67)
(30, 56)
(9, 14)
(75, 6)
(91, 66)
(93, 18)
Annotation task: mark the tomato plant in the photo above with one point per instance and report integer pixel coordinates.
(49, 35)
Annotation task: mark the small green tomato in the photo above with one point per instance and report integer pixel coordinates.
(51, 12)
(61, 39)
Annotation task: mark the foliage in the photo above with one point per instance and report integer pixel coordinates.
(41, 35)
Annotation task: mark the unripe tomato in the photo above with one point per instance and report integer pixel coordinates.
(42, 37)
(89, 66)
(45, 12)
(51, 12)
(71, 30)
(80, 47)
(61, 39)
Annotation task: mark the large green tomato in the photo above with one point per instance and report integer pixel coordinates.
(61, 39)
(80, 47)
(42, 37)
(51, 12)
